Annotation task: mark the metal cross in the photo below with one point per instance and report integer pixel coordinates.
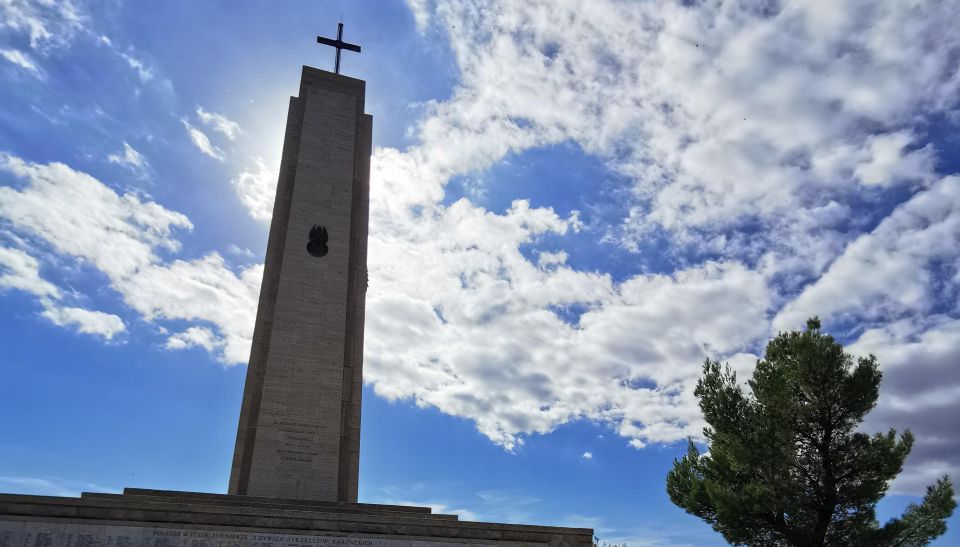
(339, 44)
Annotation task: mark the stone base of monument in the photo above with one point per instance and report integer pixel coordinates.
(159, 518)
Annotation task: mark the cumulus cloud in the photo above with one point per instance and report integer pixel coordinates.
(256, 188)
(80, 216)
(202, 141)
(484, 333)
(920, 392)
(889, 161)
(203, 290)
(894, 270)
(86, 321)
(240, 251)
(725, 115)
(587, 455)
(762, 139)
(125, 237)
(229, 128)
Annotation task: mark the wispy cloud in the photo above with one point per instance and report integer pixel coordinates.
(47, 25)
(202, 142)
(129, 157)
(219, 123)
(146, 73)
(143, 71)
(491, 505)
(50, 486)
(22, 60)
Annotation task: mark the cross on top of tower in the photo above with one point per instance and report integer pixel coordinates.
(339, 44)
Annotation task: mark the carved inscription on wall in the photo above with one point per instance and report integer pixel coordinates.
(298, 440)
(14, 533)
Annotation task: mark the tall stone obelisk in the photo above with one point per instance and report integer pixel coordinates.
(299, 432)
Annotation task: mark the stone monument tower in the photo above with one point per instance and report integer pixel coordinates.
(299, 432)
(293, 482)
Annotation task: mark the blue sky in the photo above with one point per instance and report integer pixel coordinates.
(572, 205)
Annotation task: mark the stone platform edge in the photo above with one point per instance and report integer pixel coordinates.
(203, 511)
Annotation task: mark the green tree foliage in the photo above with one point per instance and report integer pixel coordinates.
(786, 465)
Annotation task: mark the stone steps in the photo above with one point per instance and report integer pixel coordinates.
(238, 505)
(119, 507)
(282, 501)
(219, 512)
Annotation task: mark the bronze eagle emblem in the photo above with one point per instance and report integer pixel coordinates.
(317, 246)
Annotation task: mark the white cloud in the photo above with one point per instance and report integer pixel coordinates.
(680, 99)
(240, 251)
(220, 123)
(723, 115)
(421, 13)
(20, 271)
(547, 259)
(202, 142)
(763, 136)
(123, 237)
(890, 272)
(143, 71)
(47, 24)
(86, 321)
(480, 331)
(256, 189)
(587, 455)
(80, 216)
(146, 73)
(920, 392)
(129, 158)
(889, 162)
(20, 59)
(195, 337)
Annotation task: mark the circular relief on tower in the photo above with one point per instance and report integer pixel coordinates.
(317, 246)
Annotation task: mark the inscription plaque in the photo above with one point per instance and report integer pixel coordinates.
(14, 533)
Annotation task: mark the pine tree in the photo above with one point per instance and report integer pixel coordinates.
(786, 465)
